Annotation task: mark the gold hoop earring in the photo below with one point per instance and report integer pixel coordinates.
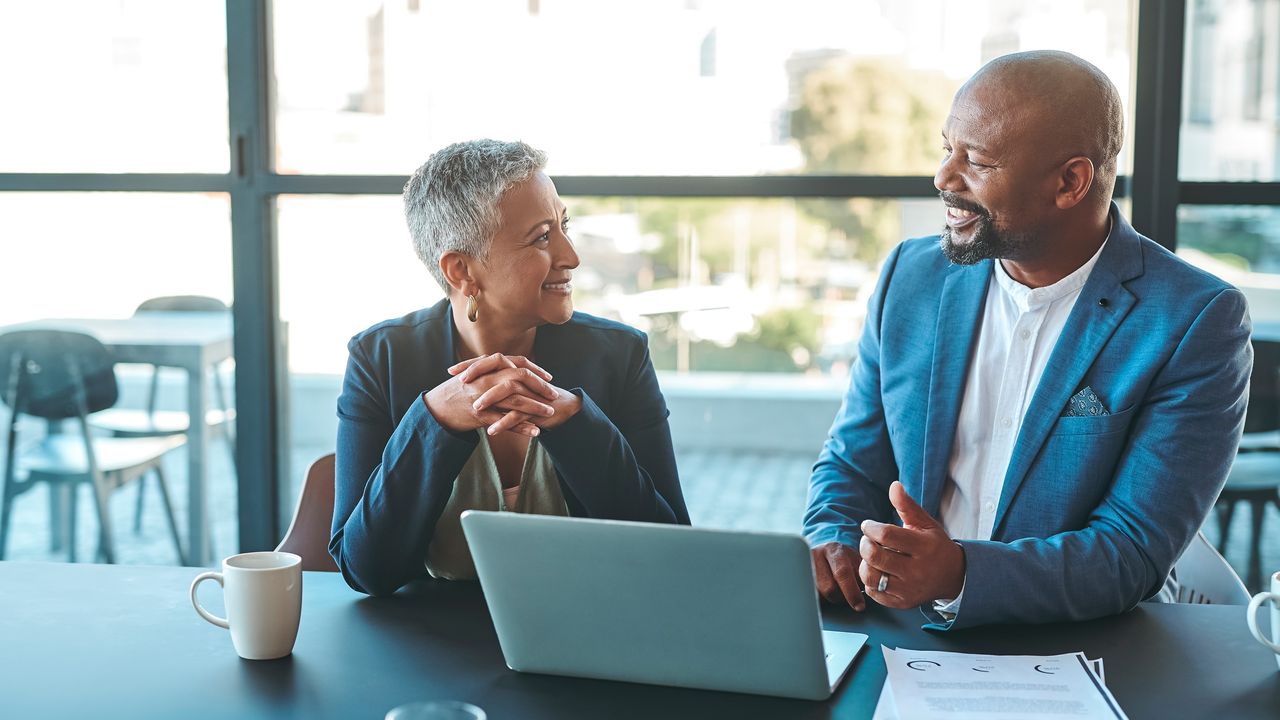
(473, 308)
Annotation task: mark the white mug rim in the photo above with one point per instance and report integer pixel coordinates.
(475, 710)
(286, 560)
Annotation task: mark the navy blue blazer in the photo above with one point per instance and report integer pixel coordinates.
(396, 465)
(1095, 509)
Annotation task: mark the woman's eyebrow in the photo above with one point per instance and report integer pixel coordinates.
(539, 224)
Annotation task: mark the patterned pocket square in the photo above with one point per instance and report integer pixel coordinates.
(1085, 404)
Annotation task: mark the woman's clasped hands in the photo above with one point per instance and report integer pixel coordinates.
(500, 392)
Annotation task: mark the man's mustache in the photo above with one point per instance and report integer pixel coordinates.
(955, 201)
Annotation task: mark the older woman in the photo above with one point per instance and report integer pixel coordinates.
(500, 396)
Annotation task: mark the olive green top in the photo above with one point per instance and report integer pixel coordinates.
(479, 487)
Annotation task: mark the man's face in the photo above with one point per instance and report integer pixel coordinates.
(993, 178)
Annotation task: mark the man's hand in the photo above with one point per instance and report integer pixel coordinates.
(919, 559)
(835, 567)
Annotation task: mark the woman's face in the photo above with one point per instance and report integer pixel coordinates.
(525, 281)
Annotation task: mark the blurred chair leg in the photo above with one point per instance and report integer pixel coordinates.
(106, 543)
(8, 482)
(137, 513)
(228, 432)
(5, 511)
(58, 500)
(1258, 510)
(168, 511)
(1226, 510)
(220, 394)
(70, 507)
(231, 446)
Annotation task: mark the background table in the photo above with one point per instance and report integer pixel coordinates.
(192, 341)
(122, 641)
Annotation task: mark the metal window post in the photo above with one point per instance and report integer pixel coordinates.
(261, 373)
(1158, 119)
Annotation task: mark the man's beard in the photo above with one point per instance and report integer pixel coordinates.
(988, 242)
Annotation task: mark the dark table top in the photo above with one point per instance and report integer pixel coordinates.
(123, 641)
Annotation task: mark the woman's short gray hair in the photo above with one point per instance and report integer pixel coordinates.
(451, 202)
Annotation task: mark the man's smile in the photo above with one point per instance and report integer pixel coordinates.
(957, 218)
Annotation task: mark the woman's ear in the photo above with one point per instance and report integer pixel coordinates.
(456, 268)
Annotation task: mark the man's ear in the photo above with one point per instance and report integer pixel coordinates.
(456, 268)
(1075, 178)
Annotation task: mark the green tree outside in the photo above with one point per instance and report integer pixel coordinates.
(869, 117)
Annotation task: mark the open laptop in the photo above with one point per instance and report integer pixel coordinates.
(660, 604)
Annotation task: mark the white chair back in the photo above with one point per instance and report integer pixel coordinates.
(1205, 577)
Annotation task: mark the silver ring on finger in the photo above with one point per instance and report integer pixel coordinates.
(883, 584)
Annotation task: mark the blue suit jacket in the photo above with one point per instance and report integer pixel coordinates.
(1094, 510)
(396, 465)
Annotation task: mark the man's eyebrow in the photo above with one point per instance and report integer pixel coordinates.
(970, 145)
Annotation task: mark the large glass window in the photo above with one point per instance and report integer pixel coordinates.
(1231, 105)
(1240, 244)
(753, 306)
(346, 262)
(749, 303)
(101, 254)
(753, 309)
(113, 87)
(674, 87)
(719, 284)
(90, 262)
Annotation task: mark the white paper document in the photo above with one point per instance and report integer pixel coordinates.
(962, 686)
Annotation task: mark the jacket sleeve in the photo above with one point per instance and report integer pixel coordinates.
(1180, 449)
(393, 481)
(850, 481)
(621, 467)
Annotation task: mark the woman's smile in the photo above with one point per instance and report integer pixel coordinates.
(559, 287)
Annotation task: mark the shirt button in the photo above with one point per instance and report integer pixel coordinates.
(1006, 422)
(989, 507)
(1026, 334)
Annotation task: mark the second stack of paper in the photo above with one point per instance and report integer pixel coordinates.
(962, 686)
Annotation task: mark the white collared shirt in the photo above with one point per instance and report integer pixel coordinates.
(1019, 329)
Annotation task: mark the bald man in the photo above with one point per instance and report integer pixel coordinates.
(1046, 403)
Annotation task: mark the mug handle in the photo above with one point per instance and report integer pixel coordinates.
(222, 622)
(1254, 604)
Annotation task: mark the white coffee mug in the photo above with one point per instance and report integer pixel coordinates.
(1255, 603)
(263, 596)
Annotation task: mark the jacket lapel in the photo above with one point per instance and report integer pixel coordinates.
(1090, 324)
(964, 293)
(442, 336)
(553, 353)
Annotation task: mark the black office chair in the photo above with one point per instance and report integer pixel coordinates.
(58, 375)
(150, 422)
(1255, 474)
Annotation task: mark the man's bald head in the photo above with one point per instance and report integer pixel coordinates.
(1065, 105)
